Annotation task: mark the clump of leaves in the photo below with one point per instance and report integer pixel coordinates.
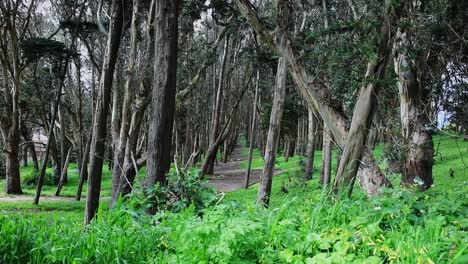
(182, 190)
(33, 178)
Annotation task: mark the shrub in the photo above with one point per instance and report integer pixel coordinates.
(183, 189)
(32, 178)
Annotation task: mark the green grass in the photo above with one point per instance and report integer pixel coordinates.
(301, 226)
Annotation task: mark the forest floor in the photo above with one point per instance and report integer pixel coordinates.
(227, 177)
(230, 176)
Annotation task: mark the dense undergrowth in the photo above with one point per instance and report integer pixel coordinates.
(303, 225)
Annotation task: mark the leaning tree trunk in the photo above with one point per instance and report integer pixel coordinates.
(419, 145)
(32, 150)
(315, 94)
(311, 135)
(163, 94)
(356, 140)
(102, 109)
(271, 149)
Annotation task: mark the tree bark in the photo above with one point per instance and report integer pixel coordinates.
(163, 94)
(311, 135)
(355, 144)
(252, 133)
(63, 174)
(271, 149)
(315, 94)
(119, 152)
(102, 109)
(325, 174)
(216, 117)
(414, 120)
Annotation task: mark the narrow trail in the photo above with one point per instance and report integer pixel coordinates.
(227, 177)
(230, 176)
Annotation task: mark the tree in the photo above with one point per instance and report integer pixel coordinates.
(163, 94)
(102, 108)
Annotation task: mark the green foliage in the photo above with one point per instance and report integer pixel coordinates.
(304, 225)
(33, 178)
(183, 189)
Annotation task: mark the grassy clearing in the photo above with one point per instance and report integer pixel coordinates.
(301, 226)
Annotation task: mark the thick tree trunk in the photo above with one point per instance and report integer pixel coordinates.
(102, 109)
(12, 166)
(10, 126)
(419, 145)
(264, 188)
(252, 133)
(362, 119)
(163, 94)
(311, 135)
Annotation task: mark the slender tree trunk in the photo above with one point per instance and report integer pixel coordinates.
(49, 140)
(63, 145)
(163, 94)
(84, 168)
(119, 152)
(25, 155)
(32, 150)
(310, 153)
(102, 109)
(216, 118)
(63, 174)
(271, 149)
(325, 174)
(252, 133)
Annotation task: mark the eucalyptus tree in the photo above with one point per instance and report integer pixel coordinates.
(102, 109)
(15, 20)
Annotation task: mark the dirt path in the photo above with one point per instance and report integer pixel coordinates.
(229, 176)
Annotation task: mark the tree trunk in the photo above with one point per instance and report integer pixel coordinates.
(419, 145)
(362, 119)
(102, 109)
(49, 139)
(271, 149)
(119, 152)
(63, 174)
(311, 131)
(12, 166)
(315, 94)
(24, 156)
(216, 117)
(63, 145)
(163, 94)
(10, 127)
(32, 150)
(325, 174)
(84, 168)
(252, 133)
